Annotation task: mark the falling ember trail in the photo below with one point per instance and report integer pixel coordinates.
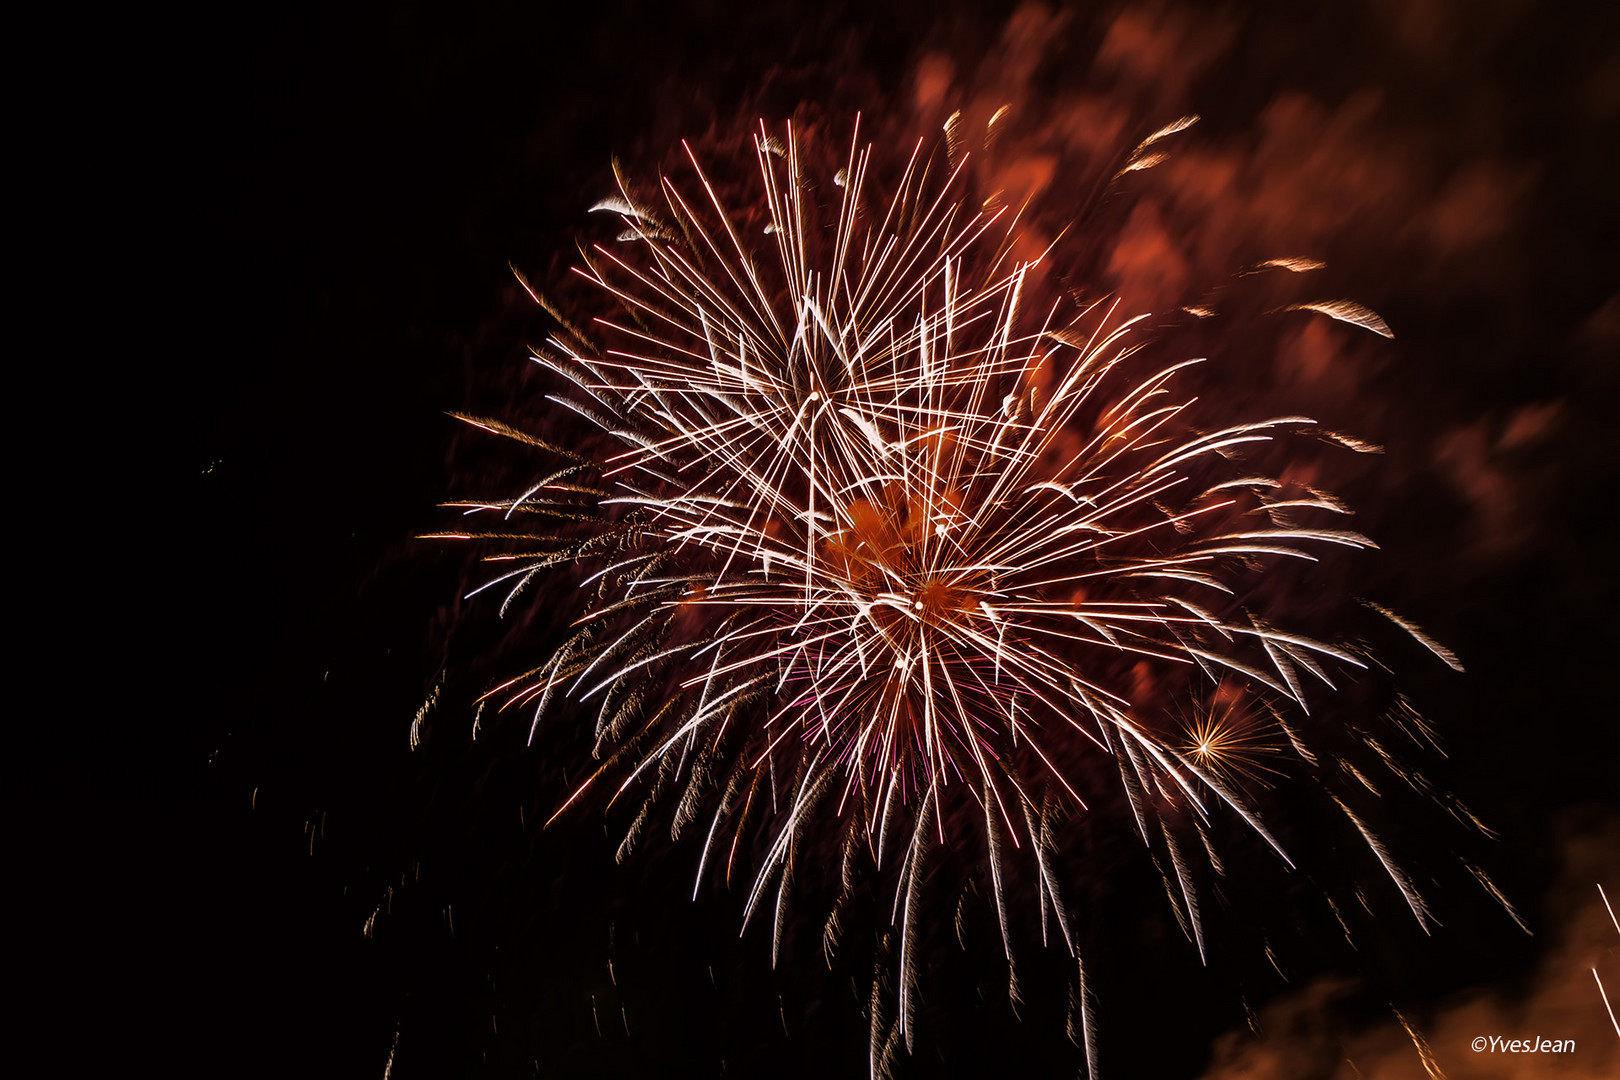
(1606, 1004)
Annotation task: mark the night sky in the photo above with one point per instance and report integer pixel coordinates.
(328, 201)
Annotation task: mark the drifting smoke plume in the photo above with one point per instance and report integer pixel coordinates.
(1306, 1034)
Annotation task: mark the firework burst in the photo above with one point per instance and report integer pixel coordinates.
(891, 544)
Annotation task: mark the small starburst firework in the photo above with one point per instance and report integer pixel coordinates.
(1225, 741)
(891, 545)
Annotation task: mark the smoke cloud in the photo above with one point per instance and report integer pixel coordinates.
(1306, 1035)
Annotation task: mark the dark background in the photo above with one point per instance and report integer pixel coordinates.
(316, 208)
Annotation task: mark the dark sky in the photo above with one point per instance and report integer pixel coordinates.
(328, 202)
